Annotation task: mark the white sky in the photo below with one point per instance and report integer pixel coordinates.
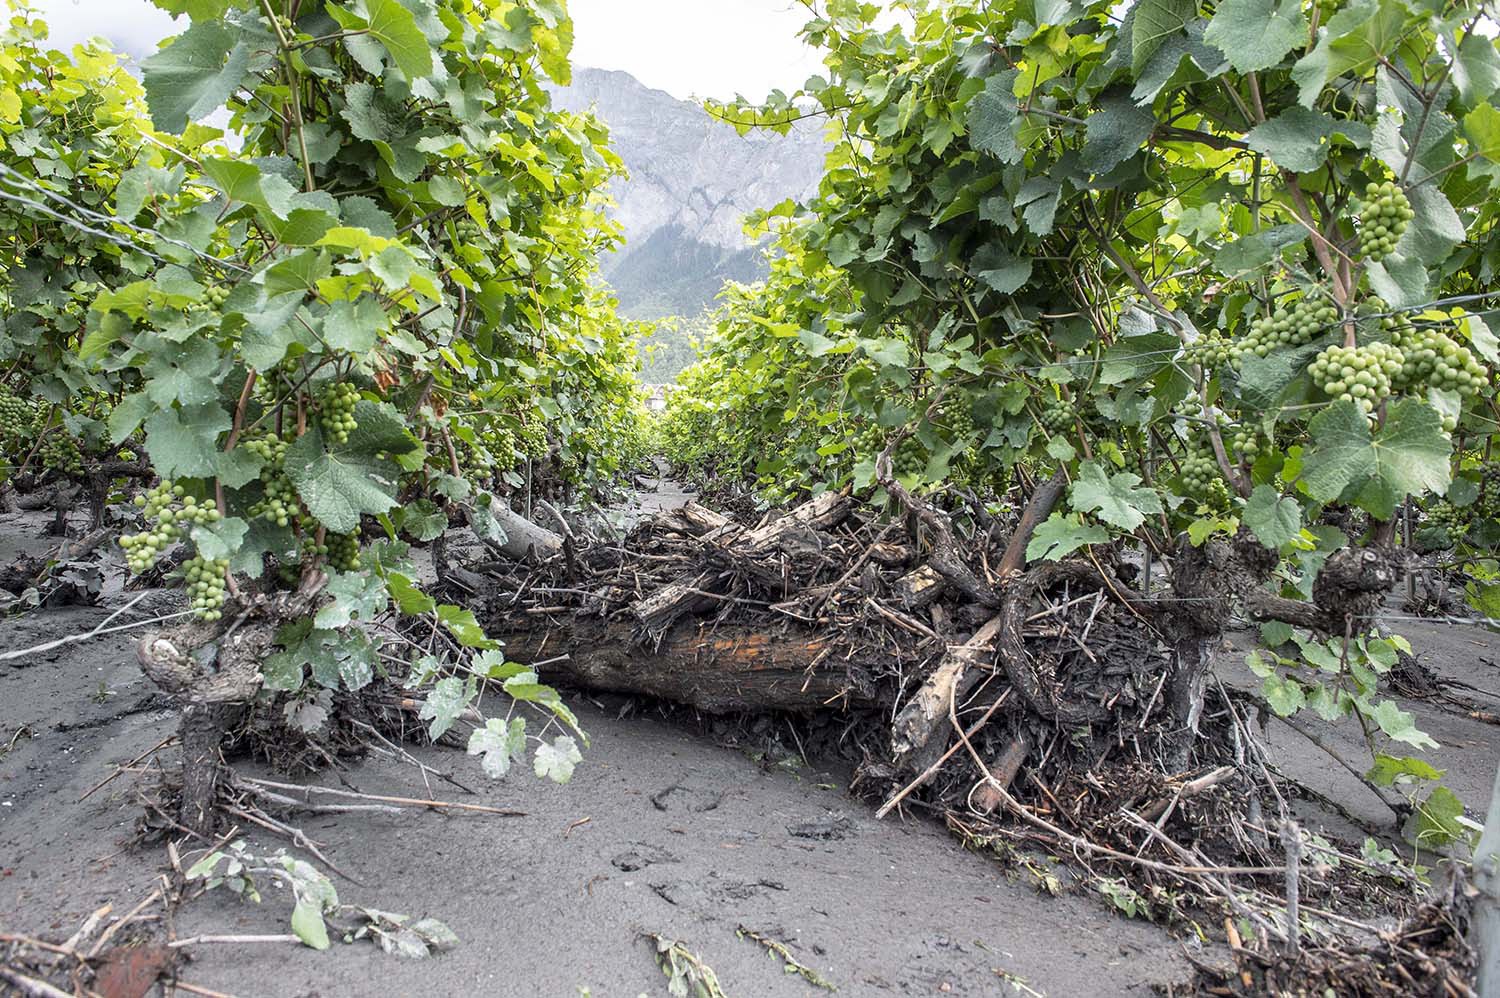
(703, 48)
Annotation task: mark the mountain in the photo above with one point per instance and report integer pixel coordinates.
(692, 180)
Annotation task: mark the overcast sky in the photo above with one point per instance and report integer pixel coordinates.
(704, 48)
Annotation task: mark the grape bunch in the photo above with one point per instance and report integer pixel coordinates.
(466, 229)
(217, 296)
(960, 420)
(16, 419)
(1448, 518)
(336, 410)
(59, 451)
(1198, 472)
(1244, 445)
(343, 551)
(1362, 375)
(534, 439)
(502, 447)
(206, 585)
(1211, 351)
(1383, 216)
(1056, 418)
(280, 500)
(169, 512)
(1289, 326)
(1435, 359)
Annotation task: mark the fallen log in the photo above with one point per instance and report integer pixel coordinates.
(716, 669)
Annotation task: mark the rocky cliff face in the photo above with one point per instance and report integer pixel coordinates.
(692, 180)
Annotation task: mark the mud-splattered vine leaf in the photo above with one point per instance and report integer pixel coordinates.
(556, 760)
(500, 744)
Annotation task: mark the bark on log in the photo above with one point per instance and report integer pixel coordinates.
(522, 537)
(919, 588)
(693, 520)
(926, 712)
(716, 669)
(1003, 772)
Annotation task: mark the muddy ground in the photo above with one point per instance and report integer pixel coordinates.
(660, 831)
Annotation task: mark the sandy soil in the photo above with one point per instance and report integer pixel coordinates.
(660, 831)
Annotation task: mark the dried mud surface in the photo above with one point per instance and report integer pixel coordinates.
(660, 831)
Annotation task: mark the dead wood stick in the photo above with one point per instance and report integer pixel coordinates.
(87, 928)
(930, 771)
(920, 719)
(409, 801)
(194, 989)
(859, 563)
(1037, 509)
(1078, 842)
(126, 920)
(125, 768)
(30, 985)
(99, 631)
(1002, 772)
(195, 940)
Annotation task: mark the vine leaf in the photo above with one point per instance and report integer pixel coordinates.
(1272, 518)
(356, 595)
(1409, 454)
(993, 118)
(448, 698)
(1115, 132)
(342, 484)
(557, 760)
(500, 744)
(1115, 499)
(391, 24)
(1398, 725)
(1256, 34)
(184, 443)
(1061, 535)
(1297, 139)
(195, 75)
(1155, 22)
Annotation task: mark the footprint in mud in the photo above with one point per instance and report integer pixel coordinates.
(640, 856)
(694, 799)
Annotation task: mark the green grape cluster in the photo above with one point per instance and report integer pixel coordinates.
(1383, 216)
(217, 296)
(1198, 473)
(1362, 375)
(336, 411)
(1244, 445)
(960, 420)
(1056, 418)
(17, 417)
(169, 512)
(279, 503)
(533, 439)
(466, 230)
(343, 551)
(1433, 358)
(1449, 518)
(1212, 350)
(501, 447)
(206, 585)
(1293, 325)
(59, 451)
